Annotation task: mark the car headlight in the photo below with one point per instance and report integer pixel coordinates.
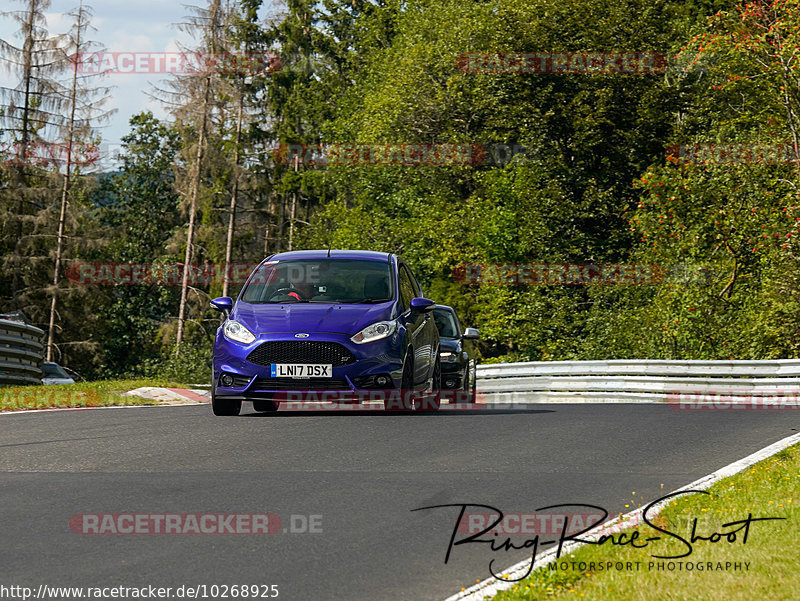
(233, 330)
(377, 331)
(448, 357)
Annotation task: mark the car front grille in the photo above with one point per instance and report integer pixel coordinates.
(299, 384)
(305, 351)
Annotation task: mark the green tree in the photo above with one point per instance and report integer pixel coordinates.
(138, 206)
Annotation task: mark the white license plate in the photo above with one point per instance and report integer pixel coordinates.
(300, 370)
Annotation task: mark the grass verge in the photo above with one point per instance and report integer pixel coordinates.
(104, 393)
(770, 488)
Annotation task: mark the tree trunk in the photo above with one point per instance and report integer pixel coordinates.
(195, 183)
(27, 74)
(293, 214)
(194, 191)
(268, 228)
(281, 219)
(65, 188)
(234, 194)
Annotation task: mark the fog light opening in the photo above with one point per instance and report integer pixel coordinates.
(226, 380)
(382, 381)
(450, 383)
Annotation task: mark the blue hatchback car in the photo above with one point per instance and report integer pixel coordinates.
(350, 322)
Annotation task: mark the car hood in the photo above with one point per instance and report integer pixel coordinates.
(310, 317)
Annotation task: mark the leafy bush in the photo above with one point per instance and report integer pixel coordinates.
(191, 365)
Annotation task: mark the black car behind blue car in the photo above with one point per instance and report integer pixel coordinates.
(455, 352)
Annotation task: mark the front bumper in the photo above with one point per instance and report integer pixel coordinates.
(452, 375)
(348, 382)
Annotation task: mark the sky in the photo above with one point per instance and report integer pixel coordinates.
(123, 26)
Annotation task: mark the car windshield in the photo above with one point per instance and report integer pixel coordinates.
(446, 323)
(325, 280)
(53, 370)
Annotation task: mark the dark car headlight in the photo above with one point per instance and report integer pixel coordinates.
(448, 357)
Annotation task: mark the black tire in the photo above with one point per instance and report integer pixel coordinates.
(226, 408)
(392, 403)
(474, 398)
(266, 406)
(432, 402)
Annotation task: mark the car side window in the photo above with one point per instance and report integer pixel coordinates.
(406, 287)
(457, 325)
(414, 283)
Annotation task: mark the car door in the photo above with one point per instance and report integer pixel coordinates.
(415, 323)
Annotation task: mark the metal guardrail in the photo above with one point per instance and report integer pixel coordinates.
(21, 353)
(639, 381)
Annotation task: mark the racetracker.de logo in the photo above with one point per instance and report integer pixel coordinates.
(562, 63)
(380, 154)
(177, 63)
(163, 274)
(731, 400)
(528, 523)
(43, 153)
(557, 274)
(43, 397)
(731, 154)
(193, 523)
(376, 399)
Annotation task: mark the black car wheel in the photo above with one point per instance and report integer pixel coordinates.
(224, 407)
(474, 379)
(434, 401)
(391, 402)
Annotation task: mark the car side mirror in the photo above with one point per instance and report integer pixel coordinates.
(223, 304)
(422, 305)
(471, 334)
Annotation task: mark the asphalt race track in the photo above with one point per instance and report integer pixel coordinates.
(362, 472)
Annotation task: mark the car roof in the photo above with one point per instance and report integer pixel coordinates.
(369, 255)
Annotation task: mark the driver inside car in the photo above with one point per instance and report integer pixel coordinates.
(303, 291)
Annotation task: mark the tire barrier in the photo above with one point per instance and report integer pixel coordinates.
(21, 353)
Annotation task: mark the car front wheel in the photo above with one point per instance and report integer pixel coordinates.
(474, 398)
(433, 401)
(224, 407)
(403, 403)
